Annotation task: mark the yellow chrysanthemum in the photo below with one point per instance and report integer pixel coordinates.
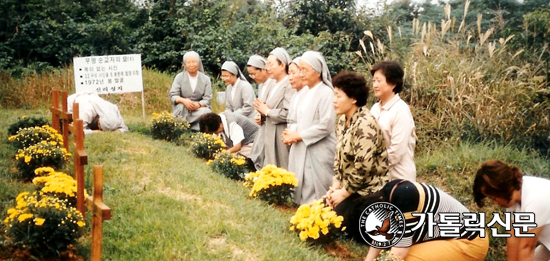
(24, 217)
(39, 221)
(312, 220)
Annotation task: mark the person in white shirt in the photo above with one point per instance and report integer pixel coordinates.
(239, 94)
(506, 186)
(96, 113)
(237, 132)
(395, 118)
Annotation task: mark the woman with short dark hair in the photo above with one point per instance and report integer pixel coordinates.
(395, 119)
(361, 162)
(506, 186)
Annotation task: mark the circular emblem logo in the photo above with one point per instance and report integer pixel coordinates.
(382, 225)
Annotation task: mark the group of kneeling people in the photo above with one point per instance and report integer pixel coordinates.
(363, 157)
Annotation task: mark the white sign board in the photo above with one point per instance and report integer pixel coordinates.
(108, 74)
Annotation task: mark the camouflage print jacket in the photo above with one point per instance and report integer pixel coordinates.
(361, 163)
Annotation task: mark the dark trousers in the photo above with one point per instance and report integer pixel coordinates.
(351, 219)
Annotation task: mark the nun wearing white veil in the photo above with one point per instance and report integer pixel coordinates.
(191, 91)
(268, 148)
(239, 94)
(96, 113)
(314, 140)
(257, 70)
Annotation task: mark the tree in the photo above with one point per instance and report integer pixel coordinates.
(315, 16)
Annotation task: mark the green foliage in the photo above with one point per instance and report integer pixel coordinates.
(44, 225)
(43, 154)
(53, 32)
(164, 126)
(26, 122)
(30, 136)
(537, 24)
(315, 16)
(230, 165)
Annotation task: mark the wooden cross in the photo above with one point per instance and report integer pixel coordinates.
(100, 212)
(95, 204)
(61, 114)
(80, 157)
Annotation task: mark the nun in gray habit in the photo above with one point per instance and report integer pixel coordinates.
(239, 94)
(314, 141)
(258, 65)
(268, 146)
(191, 91)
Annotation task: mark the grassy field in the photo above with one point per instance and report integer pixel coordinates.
(168, 205)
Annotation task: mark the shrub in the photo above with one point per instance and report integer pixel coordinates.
(43, 154)
(42, 224)
(229, 164)
(205, 146)
(164, 126)
(272, 184)
(316, 222)
(26, 122)
(58, 184)
(32, 135)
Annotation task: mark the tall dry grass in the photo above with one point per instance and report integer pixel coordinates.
(465, 84)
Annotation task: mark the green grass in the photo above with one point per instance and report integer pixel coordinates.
(168, 205)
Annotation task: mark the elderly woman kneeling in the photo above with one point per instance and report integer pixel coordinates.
(191, 91)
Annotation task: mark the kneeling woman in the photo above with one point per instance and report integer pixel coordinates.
(417, 243)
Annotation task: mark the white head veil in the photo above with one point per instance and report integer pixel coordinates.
(282, 55)
(296, 61)
(194, 55)
(318, 63)
(257, 61)
(233, 68)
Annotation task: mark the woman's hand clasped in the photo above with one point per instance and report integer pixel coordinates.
(261, 107)
(290, 137)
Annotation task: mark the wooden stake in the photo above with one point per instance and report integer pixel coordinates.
(80, 159)
(55, 109)
(100, 212)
